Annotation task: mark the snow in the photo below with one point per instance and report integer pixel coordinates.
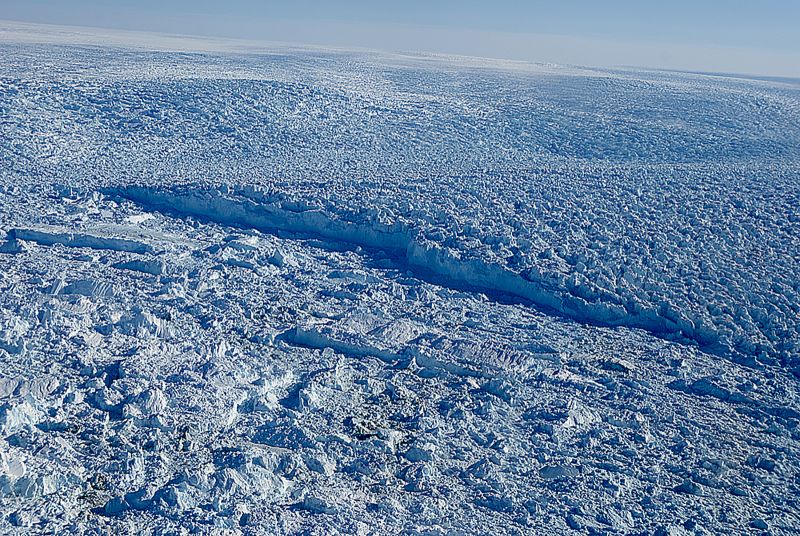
(304, 291)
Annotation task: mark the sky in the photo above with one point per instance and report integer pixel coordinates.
(736, 36)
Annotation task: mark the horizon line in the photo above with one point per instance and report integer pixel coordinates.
(238, 45)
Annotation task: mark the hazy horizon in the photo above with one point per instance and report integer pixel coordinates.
(710, 37)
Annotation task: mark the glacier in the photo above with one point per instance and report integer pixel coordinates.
(291, 290)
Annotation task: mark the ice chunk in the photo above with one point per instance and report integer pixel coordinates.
(152, 267)
(14, 416)
(48, 237)
(551, 472)
(140, 323)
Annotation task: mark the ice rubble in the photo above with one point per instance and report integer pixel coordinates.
(335, 387)
(409, 245)
(335, 335)
(669, 196)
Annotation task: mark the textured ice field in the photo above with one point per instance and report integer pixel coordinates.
(300, 291)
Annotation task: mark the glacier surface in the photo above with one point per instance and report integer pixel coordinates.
(304, 291)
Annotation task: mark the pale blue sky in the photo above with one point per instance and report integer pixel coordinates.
(758, 37)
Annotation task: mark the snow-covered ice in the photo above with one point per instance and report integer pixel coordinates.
(304, 291)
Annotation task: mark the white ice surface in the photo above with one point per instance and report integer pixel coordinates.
(304, 291)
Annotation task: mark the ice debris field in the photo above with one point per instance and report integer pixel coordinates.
(298, 291)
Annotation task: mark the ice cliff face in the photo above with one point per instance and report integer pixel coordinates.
(303, 291)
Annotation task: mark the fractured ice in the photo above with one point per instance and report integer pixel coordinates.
(300, 291)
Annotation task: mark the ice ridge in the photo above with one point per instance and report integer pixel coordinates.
(432, 261)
